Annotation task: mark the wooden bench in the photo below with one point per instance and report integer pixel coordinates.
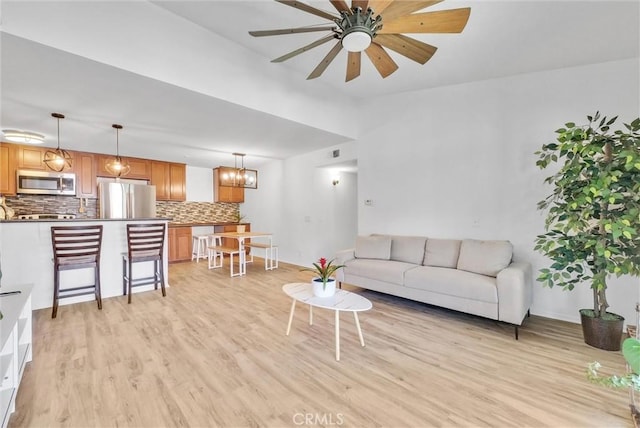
(216, 254)
(270, 254)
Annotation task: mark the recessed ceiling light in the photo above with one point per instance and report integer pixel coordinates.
(24, 137)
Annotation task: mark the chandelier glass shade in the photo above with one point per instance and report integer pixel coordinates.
(58, 159)
(238, 176)
(117, 165)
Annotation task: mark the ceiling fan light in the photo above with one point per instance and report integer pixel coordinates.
(356, 41)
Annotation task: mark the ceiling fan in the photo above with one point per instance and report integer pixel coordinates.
(371, 26)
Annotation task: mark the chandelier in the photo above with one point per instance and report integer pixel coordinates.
(58, 159)
(238, 176)
(117, 166)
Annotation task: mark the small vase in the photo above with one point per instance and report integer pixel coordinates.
(320, 290)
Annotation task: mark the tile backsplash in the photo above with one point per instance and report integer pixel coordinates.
(197, 212)
(50, 204)
(180, 212)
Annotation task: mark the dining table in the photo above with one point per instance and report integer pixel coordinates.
(241, 237)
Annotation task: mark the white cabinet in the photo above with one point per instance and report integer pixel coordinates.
(16, 352)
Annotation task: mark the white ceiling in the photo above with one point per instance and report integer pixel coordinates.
(164, 119)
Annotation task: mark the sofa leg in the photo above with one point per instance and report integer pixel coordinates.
(528, 313)
(340, 285)
(516, 332)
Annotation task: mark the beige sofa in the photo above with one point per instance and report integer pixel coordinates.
(472, 276)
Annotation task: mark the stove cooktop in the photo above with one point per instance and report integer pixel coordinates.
(46, 216)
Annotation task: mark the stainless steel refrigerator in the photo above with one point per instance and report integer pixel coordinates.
(127, 200)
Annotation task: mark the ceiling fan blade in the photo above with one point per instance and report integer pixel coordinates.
(305, 48)
(400, 8)
(340, 5)
(353, 65)
(379, 5)
(326, 61)
(263, 33)
(381, 60)
(362, 4)
(442, 21)
(411, 48)
(309, 9)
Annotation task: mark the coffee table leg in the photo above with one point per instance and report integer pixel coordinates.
(310, 315)
(293, 309)
(355, 315)
(337, 335)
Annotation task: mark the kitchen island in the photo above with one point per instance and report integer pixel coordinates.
(26, 256)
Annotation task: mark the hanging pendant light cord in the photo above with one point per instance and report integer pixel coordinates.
(58, 133)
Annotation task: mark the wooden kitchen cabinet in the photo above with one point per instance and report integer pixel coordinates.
(179, 244)
(170, 180)
(85, 165)
(31, 157)
(140, 168)
(224, 193)
(7, 169)
(177, 182)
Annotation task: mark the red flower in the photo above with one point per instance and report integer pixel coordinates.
(324, 269)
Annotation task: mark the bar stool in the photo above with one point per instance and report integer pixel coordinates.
(76, 247)
(145, 243)
(199, 244)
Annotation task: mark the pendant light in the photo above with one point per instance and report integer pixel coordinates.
(239, 176)
(58, 159)
(117, 166)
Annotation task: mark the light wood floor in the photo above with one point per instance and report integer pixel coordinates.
(213, 353)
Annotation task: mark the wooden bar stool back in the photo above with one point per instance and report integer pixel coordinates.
(145, 243)
(76, 247)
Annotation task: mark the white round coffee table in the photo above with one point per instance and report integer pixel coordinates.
(341, 301)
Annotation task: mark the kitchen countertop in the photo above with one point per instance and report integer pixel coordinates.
(76, 220)
(205, 223)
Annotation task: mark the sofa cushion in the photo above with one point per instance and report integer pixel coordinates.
(484, 257)
(373, 247)
(442, 253)
(453, 282)
(408, 249)
(387, 271)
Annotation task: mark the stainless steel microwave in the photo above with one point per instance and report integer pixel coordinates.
(46, 183)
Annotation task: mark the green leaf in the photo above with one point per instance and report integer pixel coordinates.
(631, 353)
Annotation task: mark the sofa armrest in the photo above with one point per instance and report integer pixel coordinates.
(341, 258)
(515, 292)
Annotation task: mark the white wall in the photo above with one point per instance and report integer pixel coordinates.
(199, 184)
(458, 162)
(309, 216)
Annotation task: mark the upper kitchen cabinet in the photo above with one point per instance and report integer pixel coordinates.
(225, 193)
(31, 157)
(85, 165)
(140, 168)
(170, 180)
(7, 169)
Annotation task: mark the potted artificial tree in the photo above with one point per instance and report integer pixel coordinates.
(593, 218)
